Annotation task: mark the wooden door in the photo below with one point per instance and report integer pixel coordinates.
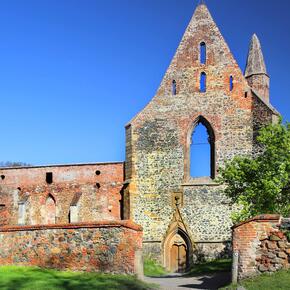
(178, 258)
(181, 258)
(174, 258)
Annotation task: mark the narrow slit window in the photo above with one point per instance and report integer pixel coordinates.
(49, 177)
(202, 53)
(174, 88)
(231, 83)
(203, 82)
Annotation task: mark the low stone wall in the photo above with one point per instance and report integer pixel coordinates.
(107, 246)
(260, 245)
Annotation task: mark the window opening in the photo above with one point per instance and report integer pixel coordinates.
(50, 210)
(202, 53)
(231, 83)
(203, 82)
(49, 177)
(174, 88)
(202, 150)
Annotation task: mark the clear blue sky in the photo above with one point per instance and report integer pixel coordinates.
(74, 72)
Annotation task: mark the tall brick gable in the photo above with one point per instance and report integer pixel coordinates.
(158, 143)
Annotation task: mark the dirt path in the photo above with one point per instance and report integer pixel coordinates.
(175, 281)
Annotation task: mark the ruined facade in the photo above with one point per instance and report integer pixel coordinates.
(185, 218)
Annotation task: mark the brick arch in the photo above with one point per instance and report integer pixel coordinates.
(212, 138)
(50, 210)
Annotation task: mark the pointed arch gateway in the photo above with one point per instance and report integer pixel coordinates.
(177, 249)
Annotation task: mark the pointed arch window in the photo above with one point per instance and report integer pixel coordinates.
(202, 150)
(202, 87)
(202, 53)
(50, 210)
(231, 83)
(173, 88)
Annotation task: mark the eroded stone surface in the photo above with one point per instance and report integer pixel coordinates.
(158, 142)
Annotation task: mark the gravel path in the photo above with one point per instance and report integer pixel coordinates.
(176, 281)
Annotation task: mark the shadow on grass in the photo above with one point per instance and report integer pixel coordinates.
(34, 278)
(222, 265)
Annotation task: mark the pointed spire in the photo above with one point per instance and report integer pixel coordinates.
(255, 62)
(256, 73)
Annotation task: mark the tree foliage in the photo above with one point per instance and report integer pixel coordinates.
(261, 185)
(13, 164)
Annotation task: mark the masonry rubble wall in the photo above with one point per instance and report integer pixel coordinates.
(261, 245)
(158, 143)
(105, 246)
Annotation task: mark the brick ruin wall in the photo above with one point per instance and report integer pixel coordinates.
(106, 246)
(261, 245)
(158, 143)
(93, 190)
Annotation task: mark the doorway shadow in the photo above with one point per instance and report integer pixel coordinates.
(212, 281)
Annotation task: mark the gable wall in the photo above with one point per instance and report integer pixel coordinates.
(158, 145)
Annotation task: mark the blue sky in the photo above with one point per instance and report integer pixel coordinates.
(74, 72)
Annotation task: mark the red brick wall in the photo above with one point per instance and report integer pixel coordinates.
(105, 246)
(99, 200)
(261, 246)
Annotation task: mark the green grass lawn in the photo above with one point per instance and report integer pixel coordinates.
(152, 269)
(222, 265)
(276, 281)
(32, 278)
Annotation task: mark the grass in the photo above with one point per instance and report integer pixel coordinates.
(278, 281)
(33, 278)
(222, 265)
(152, 269)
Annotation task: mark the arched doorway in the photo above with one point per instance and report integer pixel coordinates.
(177, 248)
(178, 254)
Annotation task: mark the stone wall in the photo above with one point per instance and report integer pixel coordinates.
(107, 246)
(260, 245)
(81, 193)
(159, 138)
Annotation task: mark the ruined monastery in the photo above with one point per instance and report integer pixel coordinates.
(106, 216)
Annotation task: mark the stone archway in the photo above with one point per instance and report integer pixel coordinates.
(177, 248)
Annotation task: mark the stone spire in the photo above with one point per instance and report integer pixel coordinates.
(256, 73)
(255, 62)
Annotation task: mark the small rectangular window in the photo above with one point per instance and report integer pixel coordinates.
(49, 177)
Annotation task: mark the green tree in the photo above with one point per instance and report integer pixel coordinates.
(261, 185)
(13, 164)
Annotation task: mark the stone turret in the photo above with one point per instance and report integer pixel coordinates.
(256, 73)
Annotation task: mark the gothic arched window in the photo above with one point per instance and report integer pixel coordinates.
(50, 210)
(202, 151)
(202, 51)
(202, 87)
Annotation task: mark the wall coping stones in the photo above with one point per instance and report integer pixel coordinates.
(99, 224)
(275, 218)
